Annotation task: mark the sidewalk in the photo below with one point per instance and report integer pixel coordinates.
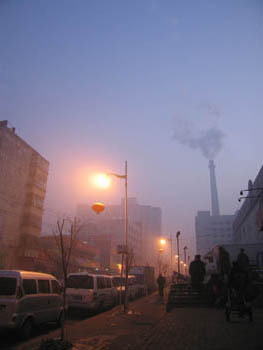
(148, 327)
(112, 329)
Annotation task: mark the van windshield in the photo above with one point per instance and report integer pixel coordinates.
(80, 282)
(7, 286)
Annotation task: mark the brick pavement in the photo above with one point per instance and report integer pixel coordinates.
(204, 329)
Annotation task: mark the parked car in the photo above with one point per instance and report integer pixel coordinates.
(28, 299)
(90, 291)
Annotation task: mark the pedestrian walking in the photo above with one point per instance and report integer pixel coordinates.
(243, 261)
(224, 264)
(197, 272)
(161, 283)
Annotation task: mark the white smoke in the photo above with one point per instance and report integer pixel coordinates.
(208, 140)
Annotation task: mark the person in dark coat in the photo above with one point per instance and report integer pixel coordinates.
(197, 272)
(224, 263)
(161, 283)
(243, 261)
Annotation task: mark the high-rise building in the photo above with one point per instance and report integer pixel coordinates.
(144, 226)
(107, 235)
(23, 174)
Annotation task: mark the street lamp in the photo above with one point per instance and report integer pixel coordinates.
(125, 178)
(163, 241)
(178, 253)
(102, 181)
(250, 190)
(160, 250)
(185, 248)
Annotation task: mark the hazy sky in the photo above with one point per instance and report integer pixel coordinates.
(92, 83)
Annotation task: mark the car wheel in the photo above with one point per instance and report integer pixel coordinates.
(27, 329)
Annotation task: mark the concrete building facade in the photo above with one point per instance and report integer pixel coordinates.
(212, 230)
(248, 224)
(106, 234)
(144, 230)
(23, 173)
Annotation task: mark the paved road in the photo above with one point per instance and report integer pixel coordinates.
(205, 329)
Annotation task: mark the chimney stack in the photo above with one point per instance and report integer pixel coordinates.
(214, 196)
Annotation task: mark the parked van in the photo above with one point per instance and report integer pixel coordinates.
(133, 287)
(28, 299)
(119, 283)
(90, 291)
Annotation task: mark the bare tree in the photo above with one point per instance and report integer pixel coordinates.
(65, 235)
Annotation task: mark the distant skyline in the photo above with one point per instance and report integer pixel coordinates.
(90, 84)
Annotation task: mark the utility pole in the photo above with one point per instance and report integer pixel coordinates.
(171, 253)
(178, 253)
(126, 237)
(185, 248)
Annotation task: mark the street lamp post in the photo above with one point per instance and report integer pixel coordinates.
(161, 250)
(176, 259)
(160, 260)
(171, 242)
(125, 177)
(185, 248)
(178, 253)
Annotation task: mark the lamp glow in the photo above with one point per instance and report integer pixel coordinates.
(162, 241)
(102, 181)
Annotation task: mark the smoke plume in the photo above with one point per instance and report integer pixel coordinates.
(209, 141)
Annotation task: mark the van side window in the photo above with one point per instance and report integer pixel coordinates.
(30, 286)
(43, 286)
(130, 281)
(7, 285)
(56, 289)
(108, 282)
(80, 282)
(101, 282)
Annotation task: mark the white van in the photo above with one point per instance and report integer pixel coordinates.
(28, 299)
(90, 291)
(119, 283)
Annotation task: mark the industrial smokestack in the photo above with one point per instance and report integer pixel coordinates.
(214, 197)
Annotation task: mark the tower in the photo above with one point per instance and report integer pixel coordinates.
(214, 196)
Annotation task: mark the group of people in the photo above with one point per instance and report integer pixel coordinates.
(237, 276)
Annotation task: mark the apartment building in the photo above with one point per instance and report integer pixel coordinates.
(23, 174)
